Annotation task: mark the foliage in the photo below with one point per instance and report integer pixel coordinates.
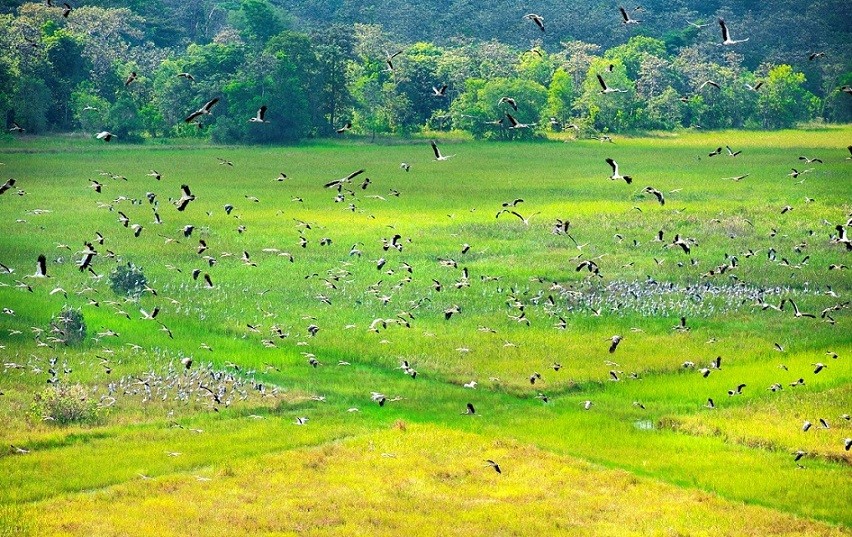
(72, 326)
(318, 75)
(128, 280)
(66, 404)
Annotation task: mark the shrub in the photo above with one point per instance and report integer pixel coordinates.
(128, 280)
(72, 325)
(66, 404)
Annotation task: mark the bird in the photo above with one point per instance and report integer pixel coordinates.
(814, 55)
(203, 111)
(606, 89)
(16, 128)
(806, 425)
(185, 198)
(756, 87)
(41, 267)
(470, 410)
(797, 455)
(186, 76)
(66, 10)
(106, 136)
(847, 444)
(626, 17)
(684, 245)
(389, 57)
(810, 160)
(346, 126)
(537, 19)
(438, 155)
(710, 404)
(731, 152)
(510, 101)
(338, 183)
(615, 175)
(697, 25)
(526, 220)
(517, 125)
(726, 36)
(130, 78)
(496, 466)
(656, 193)
(7, 185)
(708, 83)
(301, 421)
(715, 152)
(439, 92)
(819, 366)
(615, 340)
(796, 312)
(260, 117)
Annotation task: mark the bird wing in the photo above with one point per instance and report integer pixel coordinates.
(210, 104)
(262, 112)
(185, 189)
(435, 150)
(624, 14)
(353, 174)
(192, 116)
(601, 80)
(613, 165)
(512, 120)
(725, 36)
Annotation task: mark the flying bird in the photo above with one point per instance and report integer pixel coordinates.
(726, 36)
(185, 198)
(537, 19)
(626, 17)
(203, 111)
(438, 155)
(615, 175)
(606, 89)
(260, 117)
(656, 193)
(106, 136)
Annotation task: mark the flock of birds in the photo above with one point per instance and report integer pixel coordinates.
(204, 383)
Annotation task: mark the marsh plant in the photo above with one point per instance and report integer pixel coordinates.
(72, 325)
(64, 405)
(128, 280)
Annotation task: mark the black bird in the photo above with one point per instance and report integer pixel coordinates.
(7, 185)
(615, 341)
(496, 466)
(470, 410)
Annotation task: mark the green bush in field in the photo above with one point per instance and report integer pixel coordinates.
(66, 404)
(128, 280)
(72, 324)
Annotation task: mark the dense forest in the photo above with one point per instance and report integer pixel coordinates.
(508, 70)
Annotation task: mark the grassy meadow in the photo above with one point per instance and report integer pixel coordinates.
(215, 448)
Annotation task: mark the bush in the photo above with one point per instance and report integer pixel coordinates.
(128, 280)
(66, 404)
(72, 325)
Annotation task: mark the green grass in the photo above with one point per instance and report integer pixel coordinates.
(672, 467)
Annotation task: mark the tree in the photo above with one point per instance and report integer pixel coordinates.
(259, 21)
(783, 99)
(560, 96)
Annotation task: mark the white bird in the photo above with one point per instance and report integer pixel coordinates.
(537, 19)
(606, 89)
(106, 136)
(438, 155)
(203, 111)
(626, 17)
(615, 175)
(726, 36)
(260, 117)
(516, 124)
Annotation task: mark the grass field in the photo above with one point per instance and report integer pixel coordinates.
(166, 456)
